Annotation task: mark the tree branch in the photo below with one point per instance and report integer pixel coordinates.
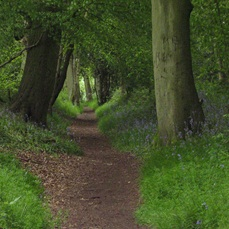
(20, 53)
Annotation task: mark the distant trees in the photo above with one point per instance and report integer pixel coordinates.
(73, 80)
(96, 29)
(88, 89)
(114, 39)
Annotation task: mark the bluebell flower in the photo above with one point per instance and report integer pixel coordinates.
(198, 222)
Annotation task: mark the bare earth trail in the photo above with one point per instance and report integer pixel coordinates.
(100, 189)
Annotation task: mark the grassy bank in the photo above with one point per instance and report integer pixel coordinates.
(21, 197)
(22, 204)
(185, 185)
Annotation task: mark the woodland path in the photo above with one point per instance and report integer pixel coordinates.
(98, 190)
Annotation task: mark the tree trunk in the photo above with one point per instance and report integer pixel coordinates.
(73, 84)
(87, 87)
(61, 75)
(76, 75)
(37, 84)
(178, 108)
(102, 83)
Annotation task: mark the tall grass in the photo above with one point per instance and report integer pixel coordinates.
(93, 104)
(64, 105)
(185, 185)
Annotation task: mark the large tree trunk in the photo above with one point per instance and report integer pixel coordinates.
(178, 108)
(39, 77)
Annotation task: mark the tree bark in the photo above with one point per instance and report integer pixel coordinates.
(37, 84)
(102, 83)
(73, 84)
(178, 108)
(87, 87)
(61, 75)
(76, 75)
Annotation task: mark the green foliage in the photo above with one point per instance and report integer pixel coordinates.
(129, 121)
(64, 105)
(186, 185)
(10, 75)
(209, 38)
(16, 134)
(21, 197)
(93, 104)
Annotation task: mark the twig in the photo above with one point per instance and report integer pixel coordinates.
(20, 53)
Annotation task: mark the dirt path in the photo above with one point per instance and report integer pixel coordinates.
(99, 190)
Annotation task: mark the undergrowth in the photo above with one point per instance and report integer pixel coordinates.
(185, 185)
(22, 204)
(129, 121)
(65, 106)
(16, 134)
(21, 197)
(93, 104)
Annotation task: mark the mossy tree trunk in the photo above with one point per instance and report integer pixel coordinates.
(178, 108)
(38, 80)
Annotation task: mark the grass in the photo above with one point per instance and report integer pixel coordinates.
(21, 197)
(22, 204)
(93, 104)
(130, 122)
(15, 134)
(66, 107)
(185, 185)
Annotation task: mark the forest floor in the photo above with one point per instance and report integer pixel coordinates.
(98, 190)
